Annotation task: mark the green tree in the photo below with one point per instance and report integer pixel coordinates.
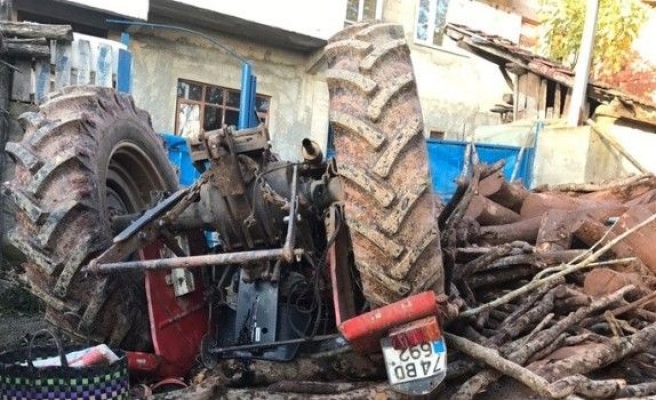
(618, 23)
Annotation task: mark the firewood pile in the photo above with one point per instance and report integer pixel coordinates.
(555, 286)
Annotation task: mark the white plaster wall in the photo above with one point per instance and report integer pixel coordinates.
(317, 18)
(128, 8)
(457, 89)
(161, 59)
(637, 140)
(561, 155)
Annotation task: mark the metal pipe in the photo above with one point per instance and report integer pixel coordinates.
(191, 262)
(256, 346)
(290, 240)
(583, 63)
(245, 97)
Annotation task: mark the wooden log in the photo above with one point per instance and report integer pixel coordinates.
(491, 184)
(619, 185)
(499, 277)
(34, 30)
(645, 198)
(510, 195)
(481, 262)
(540, 260)
(640, 242)
(556, 230)
(599, 356)
(536, 204)
(525, 230)
(37, 48)
(482, 380)
(487, 212)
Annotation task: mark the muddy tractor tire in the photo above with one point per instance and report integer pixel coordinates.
(88, 154)
(381, 156)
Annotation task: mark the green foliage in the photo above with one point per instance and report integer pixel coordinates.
(618, 23)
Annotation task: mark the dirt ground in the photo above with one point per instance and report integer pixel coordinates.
(20, 315)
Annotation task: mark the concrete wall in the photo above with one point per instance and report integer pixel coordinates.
(457, 89)
(562, 153)
(317, 18)
(606, 162)
(128, 8)
(298, 99)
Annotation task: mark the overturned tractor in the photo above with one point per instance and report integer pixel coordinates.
(260, 257)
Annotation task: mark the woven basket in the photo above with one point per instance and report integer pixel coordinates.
(26, 382)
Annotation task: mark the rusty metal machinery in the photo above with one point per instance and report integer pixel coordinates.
(266, 278)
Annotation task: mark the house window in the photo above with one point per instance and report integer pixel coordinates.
(363, 10)
(202, 107)
(431, 21)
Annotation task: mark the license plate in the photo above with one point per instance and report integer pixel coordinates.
(418, 362)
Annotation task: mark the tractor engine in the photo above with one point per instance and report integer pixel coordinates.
(271, 212)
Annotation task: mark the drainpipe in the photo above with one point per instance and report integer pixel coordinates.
(584, 59)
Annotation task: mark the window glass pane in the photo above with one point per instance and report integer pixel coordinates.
(262, 104)
(195, 92)
(183, 90)
(421, 31)
(214, 95)
(212, 118)
(188, 120)
(369, 13)
(231, 117)
(440, 21)
(352, 10)
(233, 99)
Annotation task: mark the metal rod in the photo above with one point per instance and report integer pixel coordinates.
(290, 240)
(191, 262)
(255, 346)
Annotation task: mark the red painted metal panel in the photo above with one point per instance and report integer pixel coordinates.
(177, 324)
(365, 331)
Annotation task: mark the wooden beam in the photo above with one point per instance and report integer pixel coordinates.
(558, 107)
(33, 30)
(628, 110)
(532, 96)
(542, 99)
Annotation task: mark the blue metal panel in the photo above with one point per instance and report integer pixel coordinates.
(252, 116)
(180, 158)
(447, 161)
(124, 73)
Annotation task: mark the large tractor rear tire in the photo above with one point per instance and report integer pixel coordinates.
(382, 159)
(87, 155)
